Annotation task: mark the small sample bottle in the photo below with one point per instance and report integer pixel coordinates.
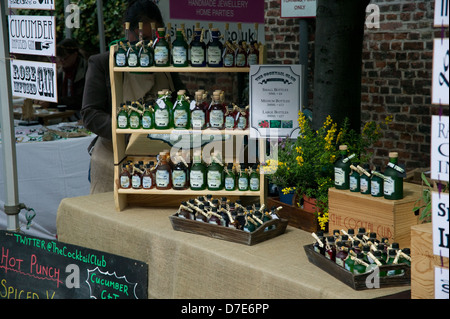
(215, 174)
(230, 116)
(120, 56)
(364, 180)
(122, 117)
(393, 183)
(163, 173)
(214, 49)
(147, 117)
(198, 49)
(354, 179)
(147, 177)
(135, 117)
(181, 112)
(216, 113)
(161, 49)
(198, 115)
(376, 183)
(230, 178)
(125, 177)
(197, 174)
(243, 178)
(229, 51)
(163, 112)
(254, 179)
(136, 177)
(242, 118)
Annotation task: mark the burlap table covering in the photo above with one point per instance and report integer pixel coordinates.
(183, 265)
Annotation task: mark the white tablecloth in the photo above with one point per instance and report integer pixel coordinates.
(47, 173)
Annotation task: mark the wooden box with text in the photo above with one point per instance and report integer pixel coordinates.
(388, 218)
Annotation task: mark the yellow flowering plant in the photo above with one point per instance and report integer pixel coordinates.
(306, 163)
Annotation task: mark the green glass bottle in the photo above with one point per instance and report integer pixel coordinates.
(360, 265)
(243, 178)
(162, 49)
(342, 169)
(122, 117)
(197, 49)
(354, 179)
(376, 183)
(163, 112)
(120, 56)
(392, 259)
(393, 183)
(197, 175)
(132, 55)
(214, 49)
(230, 178)
(215, 174)
(180, 50)
(147, 117)
(145, 55)
(135, 117)
(254, 179)
(181, 112)
(364, 180)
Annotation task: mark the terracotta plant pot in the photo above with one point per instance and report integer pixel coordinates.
(309, 204)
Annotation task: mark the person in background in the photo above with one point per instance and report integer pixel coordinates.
(97, 105)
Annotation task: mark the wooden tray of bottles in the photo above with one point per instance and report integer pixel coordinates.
(358, 282)
(225, 233)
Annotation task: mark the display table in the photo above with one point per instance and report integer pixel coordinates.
(184, 265)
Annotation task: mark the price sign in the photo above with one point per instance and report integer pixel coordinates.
(441, 13)
(298, 8)
(440, 218)
(441, 64)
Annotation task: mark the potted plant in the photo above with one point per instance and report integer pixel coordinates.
(423, 204)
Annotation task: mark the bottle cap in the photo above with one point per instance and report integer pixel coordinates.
(393, 154)
(342, 147)
(395, 245)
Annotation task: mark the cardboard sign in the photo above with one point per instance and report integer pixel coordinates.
(298, 8)
(440, 148)
(32, 4)
(441, 8)
(35, 35)
(440, 219)
(34, 80)
(441, 64)
(275, 100)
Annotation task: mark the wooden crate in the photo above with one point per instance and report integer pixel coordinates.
(388, 218)
(423, 262)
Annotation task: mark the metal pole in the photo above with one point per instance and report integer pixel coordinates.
(101, 28)
(303, 58)
(7, 127)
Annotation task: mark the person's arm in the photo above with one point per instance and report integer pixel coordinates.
(96, 108)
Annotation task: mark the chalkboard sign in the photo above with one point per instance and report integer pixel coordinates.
(35, 268)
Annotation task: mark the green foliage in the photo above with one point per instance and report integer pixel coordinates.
(424, 202)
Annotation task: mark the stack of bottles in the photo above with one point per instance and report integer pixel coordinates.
(161, 51)
(200, 113)
(359, 178)
(223, 212)
(361, 252)
(176, 173)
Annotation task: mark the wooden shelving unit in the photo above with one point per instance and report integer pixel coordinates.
(155, 197)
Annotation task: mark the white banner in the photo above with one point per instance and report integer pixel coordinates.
(441, 64)
(34, 80)
(440, 148)
(441, 283)
(440, 218)
(32, 4)
(34, 35)
(441, 13)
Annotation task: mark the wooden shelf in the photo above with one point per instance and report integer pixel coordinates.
(191, 192)
(183, 131)
(187, 69)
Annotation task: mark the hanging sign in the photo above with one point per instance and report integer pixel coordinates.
(441, 283)
(32, 4)
(34, 80)
(33, 35)
(441, 65)
(275, 100)
(440, 219)
(298, 8)
(441, 9)
(440, 148)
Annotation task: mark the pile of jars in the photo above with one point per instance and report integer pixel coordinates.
(361, 252)
(200, 113)
(160, 51)
(361, 179)
(223, 212)
(175, 173)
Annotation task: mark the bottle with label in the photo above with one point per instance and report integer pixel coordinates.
(180, 50)
(180, 174)
(228, 52)
(319, 246)
(198, 49)
(360, 265)
(197, 175)
(132, 55)
(215, 173)
(230, 178)
(163, 173)
(253, 52)
(354, 179)
(136, 178)
(120, 56)
(230, 117)
(342, 169)
(181, 112)
(243, 178)
(163, 111)
(125, 177)
(145, 56)
(216, 113)
(393, 183)
(241, 52)
(214, 49)
(135, 117)
(341, 253)
(198, 116)
(376, 183)
(378, 261)
(122, 117)
(330, 248)
(161, 49)
(392, 259)
(364, 180)
(147, 177)
(147, 117)
(242, 118)
(254, 179)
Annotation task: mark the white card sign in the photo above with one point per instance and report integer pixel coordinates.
(440, 219)
(298, 8)
(32, 4)
(440, 83)
(34, 80)
(440, 148)
(35, 35)
(441, 13)
(441, 284)
(275, 100)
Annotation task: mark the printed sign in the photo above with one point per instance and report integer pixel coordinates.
(440, 148)
(441, 64)
(441, 13)
(218, 10)
(441, 284)
(440, 218)
(32, 4)
(275, 100)
(298, 8)
(34, 80)
(35, 268)
(32, 35)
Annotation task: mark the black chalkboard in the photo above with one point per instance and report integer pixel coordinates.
(36, 268)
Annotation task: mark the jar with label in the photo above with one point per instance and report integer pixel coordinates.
(342, 169)
(198, 116)
(161, 49)
(214, 49)
(147, 117)
(163, 111)
(180, 50)
(135, 117)
(163, 173)
(230, 116)
(242, 118)
(216, 113)
(136, 178)
(228, 52)
(198, 49)
(180, 174)
(364, 180)
(120, 56)
(181, 112)
(147, 177)
(122, 117)
(230, 177)
(354, 179)
(376, 183)
(215, 173)
(393, 183)
(197, 174)
(125, 177)
(254, 179)
(243, 178)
